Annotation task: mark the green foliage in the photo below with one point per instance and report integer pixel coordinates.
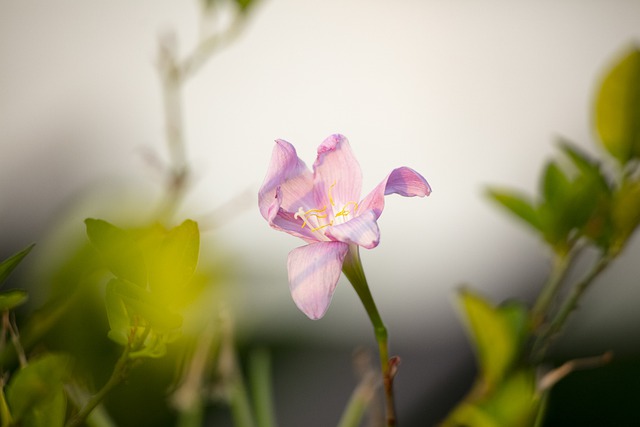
(504, 392)
(9, 300)
(497, 334)
(617, 109)
(153, 267)
(35, 394)
(9, 264)
(574, 201)
(119, 251)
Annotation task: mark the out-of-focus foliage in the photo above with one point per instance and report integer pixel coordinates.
(580, 203)
(504, 393)
(573, 202)
(152, 266)
(35, 394)
(11, 299)
(618, 108)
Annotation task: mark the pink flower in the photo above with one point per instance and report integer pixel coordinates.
(324, 209)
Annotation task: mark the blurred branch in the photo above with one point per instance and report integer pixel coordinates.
(173, 74)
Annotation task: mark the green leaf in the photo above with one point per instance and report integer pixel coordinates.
(245, 5)
(119, 251)
(175, 261)
(9, 264)
(617, 109)
(9, 300)
(626, 212)
(517, 205)
(119, 321)
(514, 403)
(555, 186)
(35, 390)
(497, 334)
(146, 306)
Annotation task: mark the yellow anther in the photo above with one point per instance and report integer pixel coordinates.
(322, 226)
(345, 212)
(311, 212)
(329, 192)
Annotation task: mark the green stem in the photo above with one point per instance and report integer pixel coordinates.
(352, 269)
(117, 376)
(569, 305)
(559, 271)
(358, 403)
(260, 376)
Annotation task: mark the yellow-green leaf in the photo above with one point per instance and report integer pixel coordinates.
(617, 110)
(496, 333)
(9, 300)
(119, 251)
(9, 264)
(175, 260)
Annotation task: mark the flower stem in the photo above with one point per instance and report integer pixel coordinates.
(352, 268)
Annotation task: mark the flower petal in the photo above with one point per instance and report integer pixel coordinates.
(336, 173)
(403, 181)
(314, 271)
(283, 220)
(362, 230)
(291, 176)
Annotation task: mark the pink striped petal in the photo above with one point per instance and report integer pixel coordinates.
(362, 230)
(403, 181)
(336, 173)
(285, 221)
(314, 271)
(291, 176)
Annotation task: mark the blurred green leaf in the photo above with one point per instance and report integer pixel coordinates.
(142, 305)
(555, 186)
(9, 300)
(245, 5)
(119, 251)
(175, 261)
(9, 264)
(514, 403)
(49, 413)
(626, 212)
(119, 322)
(37, 390)
(497, 334)
(617, 109)
(517, 205)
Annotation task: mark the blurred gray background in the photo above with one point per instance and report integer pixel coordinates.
(467, 93)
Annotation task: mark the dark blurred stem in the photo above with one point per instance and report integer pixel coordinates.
(173, 117)
(8, 325)
(569, 305)
(174, 73)
(559, 270)
(352, 268)
(117, 376)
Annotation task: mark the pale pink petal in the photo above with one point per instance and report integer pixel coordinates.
(404, 181)
(291, 176)
(314, 271)
(362, 230)
(336, 173)
(285, 221)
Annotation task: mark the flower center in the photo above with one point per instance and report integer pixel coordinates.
(317, 219)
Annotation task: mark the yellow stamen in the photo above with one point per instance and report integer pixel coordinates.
(311, 212)
(322, 226)
(330, 197)
(345, 212)
(323, 214)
